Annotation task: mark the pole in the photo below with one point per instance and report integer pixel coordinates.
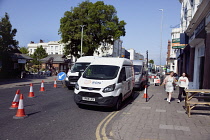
(161, 30)
(82, 37)
(147, 77)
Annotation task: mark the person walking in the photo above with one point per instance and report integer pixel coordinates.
(183, 83)
(169, 88)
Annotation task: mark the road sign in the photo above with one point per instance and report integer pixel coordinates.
(61, 76)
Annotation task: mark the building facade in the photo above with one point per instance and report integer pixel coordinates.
(52, 47)
(195, 24)
(109, 50)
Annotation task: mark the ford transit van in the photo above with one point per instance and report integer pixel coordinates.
(77, 69)
(106, 82)
(140, 75)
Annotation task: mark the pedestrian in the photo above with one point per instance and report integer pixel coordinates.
(183, 83)
(169, 88)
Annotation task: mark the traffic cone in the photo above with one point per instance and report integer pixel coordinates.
(55, 83)
(145, 92)
(15, 100)
(31, 92)
(42, 86)
(20, 112)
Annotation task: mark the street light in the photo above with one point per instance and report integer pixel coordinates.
(161, 30)
(82, 37)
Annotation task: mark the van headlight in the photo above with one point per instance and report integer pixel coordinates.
(109, 88)
(67, 78)
(77, 86)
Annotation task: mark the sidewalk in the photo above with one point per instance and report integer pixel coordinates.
(159, 120)
(9, 83)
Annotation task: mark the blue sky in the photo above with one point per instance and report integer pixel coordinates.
(40, 19)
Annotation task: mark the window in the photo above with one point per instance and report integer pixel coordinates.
(51, 47)
(56, 48)
(56, 53)
(122, 76)
(51, 52)
(101, 72)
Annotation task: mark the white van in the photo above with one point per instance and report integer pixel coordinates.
(106, 82)
(77, 69)
(140, 75)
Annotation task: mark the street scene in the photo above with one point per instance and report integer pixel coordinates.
(105, 70)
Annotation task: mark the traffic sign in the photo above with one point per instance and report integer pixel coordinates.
(61, 76)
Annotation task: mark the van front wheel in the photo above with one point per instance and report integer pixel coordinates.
(118, 103)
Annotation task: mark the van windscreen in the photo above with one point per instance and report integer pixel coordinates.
(101, 72)
(137, 69)
(79, 67)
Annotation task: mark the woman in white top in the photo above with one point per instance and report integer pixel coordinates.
(169, 88)
(183, 84)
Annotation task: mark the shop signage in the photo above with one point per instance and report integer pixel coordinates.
(176, 44)
(200, 28)
(22, 61)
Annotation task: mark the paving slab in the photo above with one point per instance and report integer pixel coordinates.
(159, 120)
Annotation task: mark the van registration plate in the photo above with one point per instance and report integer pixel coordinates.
(88, 99)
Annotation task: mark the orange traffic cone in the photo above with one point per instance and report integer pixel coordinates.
(145, 92)
(55, 83)
(42, 86)
(15, 100)
(20, 112)
(31, 92)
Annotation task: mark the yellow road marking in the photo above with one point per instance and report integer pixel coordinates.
(104, 127)
(99, 126)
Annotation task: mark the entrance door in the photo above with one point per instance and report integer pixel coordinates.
(201, 72)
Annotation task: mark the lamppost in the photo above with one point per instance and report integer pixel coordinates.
(161, 30)
(82, 37)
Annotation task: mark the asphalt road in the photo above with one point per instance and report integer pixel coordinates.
(52, 115)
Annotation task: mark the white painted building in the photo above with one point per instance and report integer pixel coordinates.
(173, 51)
(134, 55)
(52, 47)
(195, 23)
(108, 50)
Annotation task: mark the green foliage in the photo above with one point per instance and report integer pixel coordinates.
(151, 61)
(7, 34)
(24, 50)
(38, 54)
(101, 26)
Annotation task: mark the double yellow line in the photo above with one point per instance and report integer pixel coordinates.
(101, 128)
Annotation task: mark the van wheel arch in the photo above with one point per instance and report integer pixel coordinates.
(118, 103)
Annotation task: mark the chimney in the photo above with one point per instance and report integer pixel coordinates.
(32, 42)
(41, 41)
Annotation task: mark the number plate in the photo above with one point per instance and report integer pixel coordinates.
(88, 99)
(73, 83)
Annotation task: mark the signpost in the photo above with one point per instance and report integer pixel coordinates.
(61, 76)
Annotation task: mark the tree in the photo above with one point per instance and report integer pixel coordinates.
(24, 50)
(7, 34)
(101, 26)
(151, 61)
(38, 54)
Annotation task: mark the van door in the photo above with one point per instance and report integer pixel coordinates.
(122, 80)
(129, 79)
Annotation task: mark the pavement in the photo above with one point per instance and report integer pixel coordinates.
(35, 79)
(159, 120)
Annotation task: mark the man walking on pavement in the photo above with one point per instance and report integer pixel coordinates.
(183, 83)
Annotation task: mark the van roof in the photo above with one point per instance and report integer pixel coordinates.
(137, 62)
(87, 59)
(112, 61)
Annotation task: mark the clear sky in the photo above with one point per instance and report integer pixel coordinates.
(40, 19)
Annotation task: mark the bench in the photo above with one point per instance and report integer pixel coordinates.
(192, 103)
